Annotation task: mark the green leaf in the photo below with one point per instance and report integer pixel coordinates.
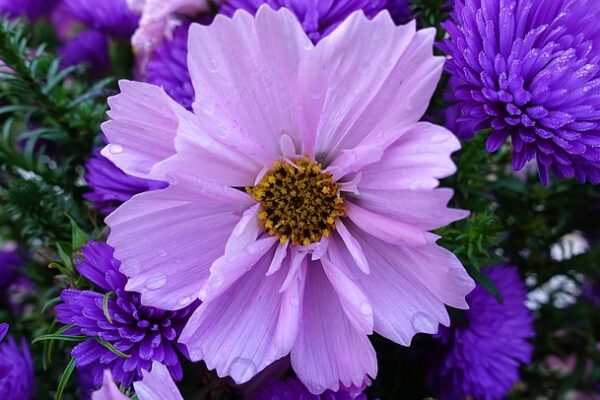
(64, 379)
(112, 348)
(78, 237)
(105, 306)
(64, 338)
(65, 258)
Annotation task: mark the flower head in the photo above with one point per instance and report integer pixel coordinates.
(17, 380)
(293, 389)
(143, 334)
(481, 356)
(111, 186)
(530, 70)
(302, 190)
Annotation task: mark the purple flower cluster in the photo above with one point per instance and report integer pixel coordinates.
(530, 71)
(481, 355)
(143, 334)
(17, 381)
(111, 186)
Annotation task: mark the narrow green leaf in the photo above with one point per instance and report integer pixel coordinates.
(64, 379)
(50, 303)
(64, 338)
(105, 306)
(78, 237)
(112, 348)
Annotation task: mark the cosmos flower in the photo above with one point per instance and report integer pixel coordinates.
(155, 385)
(481, 355)
(32, 9)
(111, 186)
(17, 381)
(529, 70)
(329, 241)
(293, 389)
(144, 334)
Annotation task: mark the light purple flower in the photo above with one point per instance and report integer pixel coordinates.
(17, 381)
(530, 70)
(481, 355)
(314, 255)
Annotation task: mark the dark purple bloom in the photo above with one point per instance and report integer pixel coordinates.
(144, 334)
(480, 355)
(293, 389)
(112, 17)
(32, 9)
(17, 380)
(530, 70)
(89, 47)
(168, 68)
(111, 186)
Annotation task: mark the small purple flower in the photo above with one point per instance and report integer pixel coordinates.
(111, 186)
(144, 334)
(529, 70)
(17, 380)
(111, 17)
(480, 356)
(32, 9)
(293, 389)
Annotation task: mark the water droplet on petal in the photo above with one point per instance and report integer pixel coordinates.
(422, 322)
(162, 252)
(295, 301)
(156, 282)
(212, 65)
(366, 309)
(242, 369)
(115, 149)
(196, 353)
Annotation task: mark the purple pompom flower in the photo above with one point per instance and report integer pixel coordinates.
(17, 380)
(330, 241)
(530, 70)
(111, 186)
(293, 389)
(32, 9)
(481, 355)
(144, 334)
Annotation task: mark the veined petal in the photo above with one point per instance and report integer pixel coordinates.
(109, 390)
(157, 385)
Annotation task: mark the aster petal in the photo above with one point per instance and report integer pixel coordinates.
(157, 385)
(369, 80)
(109, 390)
(249, 326)
(249, 92)
(408, 287)
(190, 221)
(329, 351)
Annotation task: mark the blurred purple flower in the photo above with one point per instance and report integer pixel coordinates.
(17, 381)
(89, 47)
(529, 69)
(111, 17)
(480, 356)
(144, 334)
(32, 9)
(111, 186)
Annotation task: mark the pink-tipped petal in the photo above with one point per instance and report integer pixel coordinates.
(142, 127)
(247, 78)
(109, 390)
(385, 228)
(166, 240)
(157, 384)
(415, 161)
(249, 326)
(408, 288)
(370, 79)
(329, 351)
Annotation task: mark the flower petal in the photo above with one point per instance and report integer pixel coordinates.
(329, 351)
(157, 385)
(109, 390)
(166, 240)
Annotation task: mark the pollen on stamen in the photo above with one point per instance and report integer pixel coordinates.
(299, 202)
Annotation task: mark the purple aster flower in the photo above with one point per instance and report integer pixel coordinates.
(293, 389)
(530, 70)
(168, 68)
(331, 239)
(144, 334)
(32, 9)
(17, 380)
(89, 47)
(111, 17)
(111, 186)
(481, 355)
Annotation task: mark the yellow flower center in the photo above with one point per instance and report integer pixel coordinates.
(299, 202)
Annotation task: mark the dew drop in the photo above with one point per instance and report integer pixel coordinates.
(196, 353)
(294, 301)
(212, 65)
(366, 309)
(156, 282)
(422, 322)
(242, 369)
(162, 252)
(115, 149)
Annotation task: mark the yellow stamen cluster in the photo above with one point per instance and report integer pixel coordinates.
(298, 202)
